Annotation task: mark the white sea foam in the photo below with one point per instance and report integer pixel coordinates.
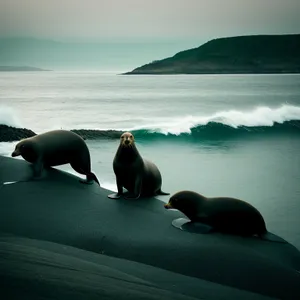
(9, 182)
(9, 117)
(260, 116)
(109, 186)
(6, 148)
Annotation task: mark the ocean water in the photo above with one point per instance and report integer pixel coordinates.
(219, 135)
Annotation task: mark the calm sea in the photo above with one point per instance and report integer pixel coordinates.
(219, 135)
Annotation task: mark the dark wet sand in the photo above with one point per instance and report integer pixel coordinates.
(60, 239)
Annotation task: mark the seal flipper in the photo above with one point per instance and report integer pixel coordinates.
(114, 196)
(270, 237)
(85, 181)
(195, 227)
(92, 177)
(37, 167)
(131, 196)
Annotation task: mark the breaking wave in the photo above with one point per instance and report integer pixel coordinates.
(9, 117)
(262, 120)
(209, 131)
(221, 125)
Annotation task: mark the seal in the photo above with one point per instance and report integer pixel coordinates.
(54, 148)
(139, 176)
(221, 214)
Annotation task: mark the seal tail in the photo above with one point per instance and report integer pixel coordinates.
(160, 192)
(270, 237)
(92, 176)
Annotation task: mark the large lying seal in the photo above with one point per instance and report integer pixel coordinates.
(55, 148)
(221, 214)
(139, 176)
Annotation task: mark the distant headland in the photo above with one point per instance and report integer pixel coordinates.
(20, 69)
(256, 54)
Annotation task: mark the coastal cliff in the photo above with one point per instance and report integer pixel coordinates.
(257, 54)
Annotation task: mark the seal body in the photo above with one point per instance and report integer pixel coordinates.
(222, 214)
(139, 176)
(56, 148)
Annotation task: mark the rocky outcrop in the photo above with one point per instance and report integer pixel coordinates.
(89, 134)
(10, 134)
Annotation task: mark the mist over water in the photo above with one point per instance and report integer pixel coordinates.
(9, 117)
(227, 135)
(108, 55)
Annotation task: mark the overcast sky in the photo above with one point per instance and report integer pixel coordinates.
(147, 19)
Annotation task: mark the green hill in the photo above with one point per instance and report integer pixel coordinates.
(233, 55)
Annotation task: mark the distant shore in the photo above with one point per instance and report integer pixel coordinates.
(21, 69)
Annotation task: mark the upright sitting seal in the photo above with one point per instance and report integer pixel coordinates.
(139, 176)
(221, 214)
(56, 148)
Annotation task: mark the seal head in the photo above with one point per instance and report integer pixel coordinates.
(189, 203)
(26, 149)
(127, 140)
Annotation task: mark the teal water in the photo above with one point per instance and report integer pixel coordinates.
(265, 172)
(252, 153)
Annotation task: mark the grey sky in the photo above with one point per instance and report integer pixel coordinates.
(109, 19)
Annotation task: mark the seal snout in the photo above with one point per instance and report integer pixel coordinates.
(16, 153)
(168, 206)
(126, 143)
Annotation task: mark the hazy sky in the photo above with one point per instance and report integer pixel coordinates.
(167, 19)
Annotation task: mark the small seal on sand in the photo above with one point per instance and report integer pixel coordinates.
(221, 214)
(56, 148)
(139, 176)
